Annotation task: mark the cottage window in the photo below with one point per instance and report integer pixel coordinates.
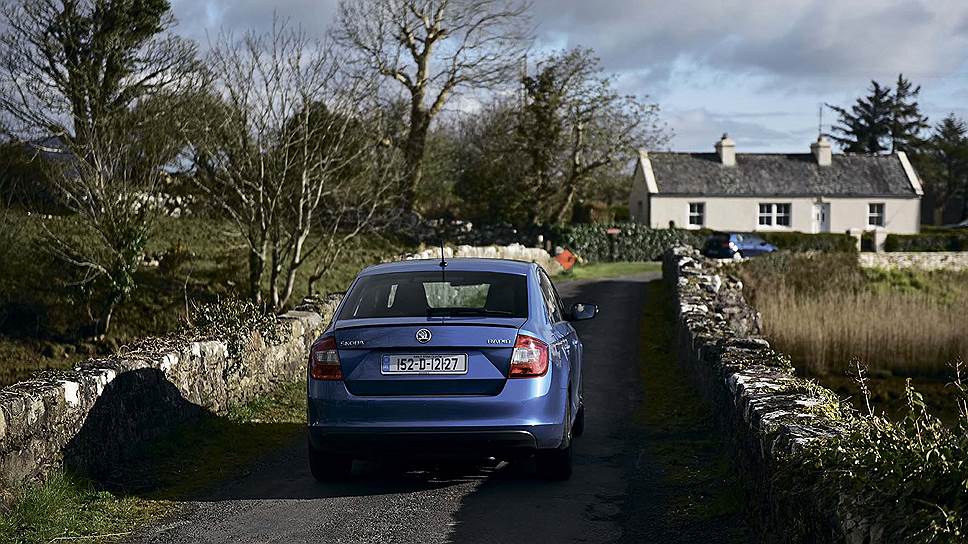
(774, 214)
(875, 215)
(766, 214)
(782, 214)
(697, 214)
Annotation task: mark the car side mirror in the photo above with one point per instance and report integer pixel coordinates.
(581, 311)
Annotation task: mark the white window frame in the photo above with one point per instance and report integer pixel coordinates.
(700, 214)
(769, 215)
(880, 216)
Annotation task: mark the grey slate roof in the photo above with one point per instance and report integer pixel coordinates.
(757, 174)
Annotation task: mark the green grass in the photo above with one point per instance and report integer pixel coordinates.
(178, 466)
(681, 435)
(67, 507)
(194, 260)
(608, 270)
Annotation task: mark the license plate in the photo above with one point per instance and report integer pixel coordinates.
(425, 364)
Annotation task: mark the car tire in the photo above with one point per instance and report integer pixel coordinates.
(556, 464)
(578, 428)
(329, 467)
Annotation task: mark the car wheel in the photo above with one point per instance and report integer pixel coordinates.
(556, 464)
(578, 428)
(329, 467)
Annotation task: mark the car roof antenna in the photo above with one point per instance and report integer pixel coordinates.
(443, 262)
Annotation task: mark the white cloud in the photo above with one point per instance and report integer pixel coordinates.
(717, 65)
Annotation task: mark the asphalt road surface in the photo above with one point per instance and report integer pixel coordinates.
(621, 490)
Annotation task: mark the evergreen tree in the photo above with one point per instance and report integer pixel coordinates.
(866, 126)
(907, 121)
(944, 163)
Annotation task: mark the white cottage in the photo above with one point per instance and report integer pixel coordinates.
(810, 192)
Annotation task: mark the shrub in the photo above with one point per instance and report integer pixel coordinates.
(801, 241)
(634, 242)
(235, 321)
(935, 240)
(907, 477)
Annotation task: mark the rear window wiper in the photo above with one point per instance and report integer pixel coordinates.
(442, 312)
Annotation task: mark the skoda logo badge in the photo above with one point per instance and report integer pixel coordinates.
(423, 336)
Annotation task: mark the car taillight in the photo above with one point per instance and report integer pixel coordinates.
(530, 357)
(324, 361)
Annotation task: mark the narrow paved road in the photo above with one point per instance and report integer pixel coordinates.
(635, 478)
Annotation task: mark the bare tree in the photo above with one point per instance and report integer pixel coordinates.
(434, 49)
(294, 155)
(101, 84)
(577, 132)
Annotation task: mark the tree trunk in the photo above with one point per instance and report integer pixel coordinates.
(939, 207)
(257, 265)
(571, 186)
(297, 261)
(565, 208)
(414, 155)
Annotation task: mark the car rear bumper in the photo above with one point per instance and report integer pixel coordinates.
(528, 414)
(381, 443)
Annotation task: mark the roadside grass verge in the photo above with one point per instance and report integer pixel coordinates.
(608, 270)
(825, 311)
(680, 433)
(178, 466)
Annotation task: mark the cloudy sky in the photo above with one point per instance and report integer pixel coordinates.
(757, 69)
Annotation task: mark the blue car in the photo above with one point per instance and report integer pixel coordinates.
(725, 245)
(426, 360)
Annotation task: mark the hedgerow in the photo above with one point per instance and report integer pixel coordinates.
(631, 242)
(906, 477)
(935, 240)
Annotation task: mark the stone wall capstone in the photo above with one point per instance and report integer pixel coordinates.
(950, 260)
(765, 410)
(514, 252)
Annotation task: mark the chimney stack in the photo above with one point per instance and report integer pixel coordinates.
(726, 149)
(822, 152)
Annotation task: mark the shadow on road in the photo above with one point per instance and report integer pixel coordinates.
(650, 467)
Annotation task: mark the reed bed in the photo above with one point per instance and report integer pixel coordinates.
(825, 312)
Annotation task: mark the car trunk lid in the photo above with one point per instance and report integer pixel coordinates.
(365, 345)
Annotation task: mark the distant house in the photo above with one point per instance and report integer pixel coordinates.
(807, 192)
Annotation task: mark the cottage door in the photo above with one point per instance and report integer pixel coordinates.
(821, 217)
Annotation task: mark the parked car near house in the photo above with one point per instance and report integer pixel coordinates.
(427, 359)
(733, 245)
(961, 225)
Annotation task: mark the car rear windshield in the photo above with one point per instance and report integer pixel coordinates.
(429, 294)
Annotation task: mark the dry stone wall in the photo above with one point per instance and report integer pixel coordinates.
(93, 417)
(766, 411)
(952, 260)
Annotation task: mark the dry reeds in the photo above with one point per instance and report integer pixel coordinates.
(824, 311)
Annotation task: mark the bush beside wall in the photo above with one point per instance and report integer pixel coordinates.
(802, 241)
(634, 242)
(934, 240)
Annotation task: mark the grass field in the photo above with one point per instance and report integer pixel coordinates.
(826, 312)
(608, 270)
(174, 468)
(190, 260)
